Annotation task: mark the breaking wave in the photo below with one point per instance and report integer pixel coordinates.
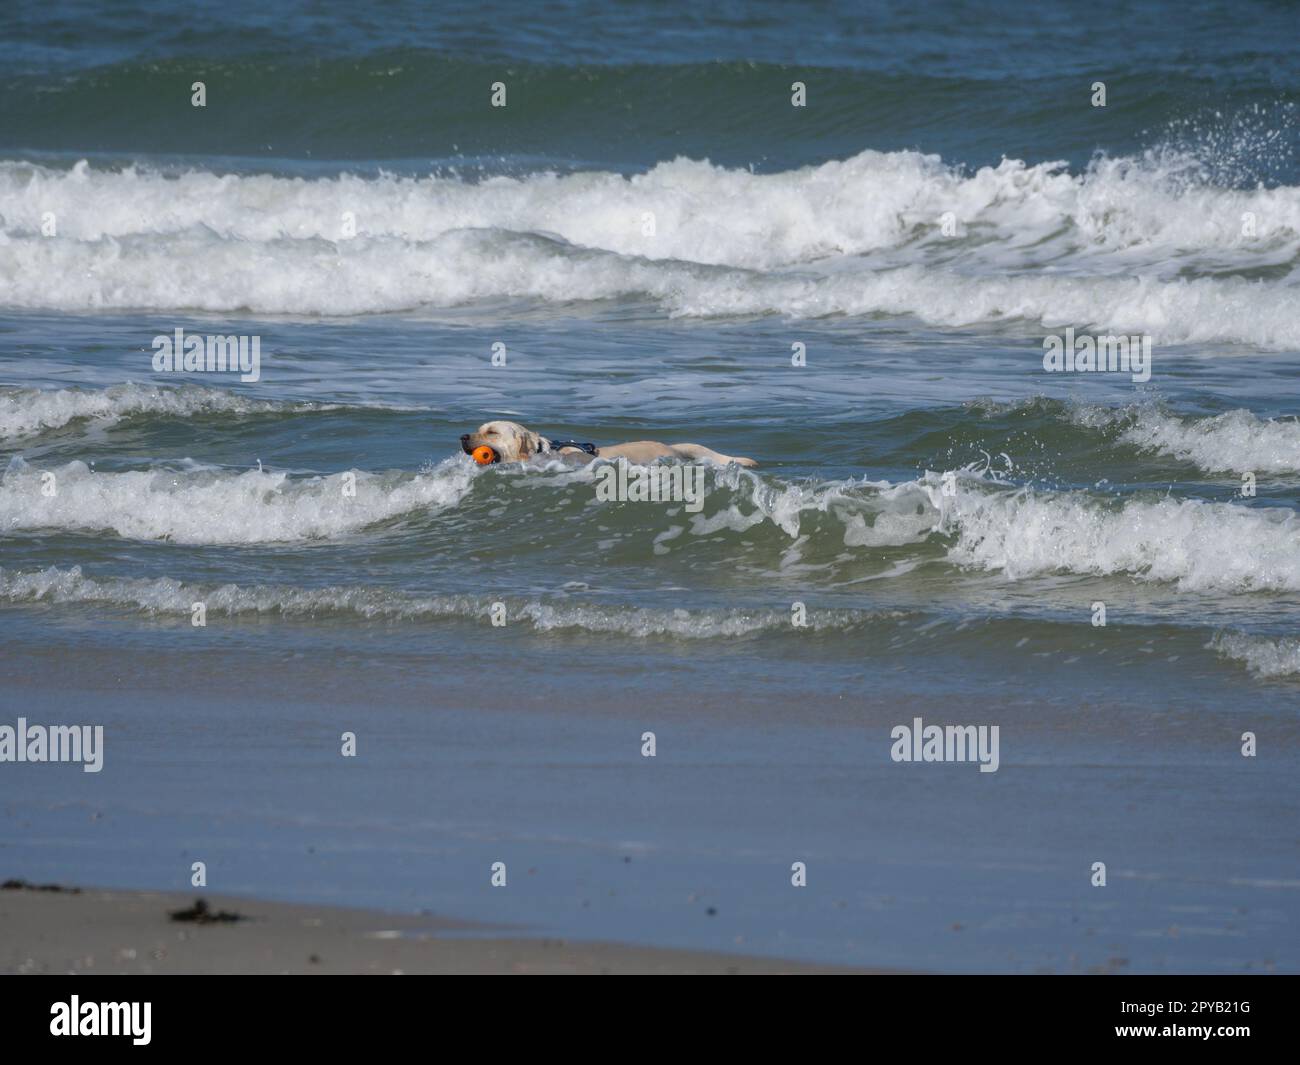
(1129, 245)
(971, 520)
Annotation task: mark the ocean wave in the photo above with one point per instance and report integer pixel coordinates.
(968, 518)
(1262, 656)
(1131, 244)
(218, 506)
(197, 272)
(1024, 533)
(1235, 441)
(1197, 545)
(27, 411)
(568, 614)
(702, 213)
(168, 596)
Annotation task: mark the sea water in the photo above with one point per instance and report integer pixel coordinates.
(651, 241)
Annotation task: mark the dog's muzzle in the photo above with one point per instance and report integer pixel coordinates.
(483, 454)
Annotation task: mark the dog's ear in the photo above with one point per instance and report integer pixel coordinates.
(530, 444)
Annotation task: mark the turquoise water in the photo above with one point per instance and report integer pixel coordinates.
(948, 512)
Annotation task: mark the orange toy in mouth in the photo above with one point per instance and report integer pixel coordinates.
(483, 455)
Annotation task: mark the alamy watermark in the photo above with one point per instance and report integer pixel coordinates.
(946, 743)
(53, 743)
(620, 482)
(180, 353)
(1101, 354)
(75, 1017)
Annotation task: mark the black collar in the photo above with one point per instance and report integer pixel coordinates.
(544, 445)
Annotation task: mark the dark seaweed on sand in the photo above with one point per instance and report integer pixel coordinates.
(23, 885)
(200, 913)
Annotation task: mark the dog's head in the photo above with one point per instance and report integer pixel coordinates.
(510, 440)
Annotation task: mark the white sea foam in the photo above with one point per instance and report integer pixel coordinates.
(1262, 656)
(216, 506)
(1023, 533)
(1198, 545)
(167, 596)
(983, 524)
(702, 213)
(25, 411)
(1237, 440)
(1127, 248)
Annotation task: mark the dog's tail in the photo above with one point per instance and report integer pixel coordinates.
(699, 451)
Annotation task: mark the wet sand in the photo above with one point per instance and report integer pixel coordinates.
(129, 932)
(230, 754)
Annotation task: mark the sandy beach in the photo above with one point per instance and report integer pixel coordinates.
(133, 932)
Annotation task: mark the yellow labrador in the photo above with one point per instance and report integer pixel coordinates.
(512, 442)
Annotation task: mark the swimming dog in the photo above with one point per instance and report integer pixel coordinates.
(512, 442)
